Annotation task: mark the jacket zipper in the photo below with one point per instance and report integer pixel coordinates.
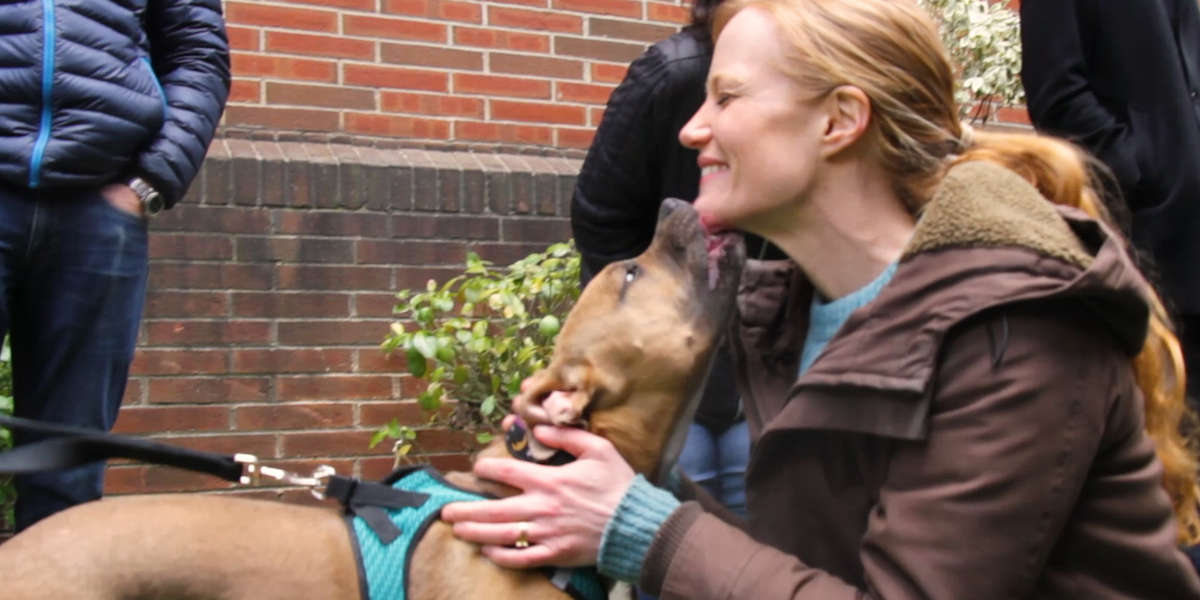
(39, 147)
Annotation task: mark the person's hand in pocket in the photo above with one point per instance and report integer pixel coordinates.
(122, 197)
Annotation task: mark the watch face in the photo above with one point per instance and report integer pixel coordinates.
(154, 204)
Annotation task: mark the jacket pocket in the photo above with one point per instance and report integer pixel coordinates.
(1147, 191)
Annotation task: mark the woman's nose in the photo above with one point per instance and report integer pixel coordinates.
(696, 132)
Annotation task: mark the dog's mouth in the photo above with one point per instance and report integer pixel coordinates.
(713, 257)
(720, 247)
(522, 445)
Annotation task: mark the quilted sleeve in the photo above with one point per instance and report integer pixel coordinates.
(190, 54)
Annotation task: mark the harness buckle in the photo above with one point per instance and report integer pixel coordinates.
(253, 473)
(321, 475)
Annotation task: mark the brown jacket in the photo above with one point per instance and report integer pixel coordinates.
(975, 432)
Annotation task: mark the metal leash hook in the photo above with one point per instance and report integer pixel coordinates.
(253, 473)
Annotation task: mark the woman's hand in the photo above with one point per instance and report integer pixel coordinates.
(562, 511)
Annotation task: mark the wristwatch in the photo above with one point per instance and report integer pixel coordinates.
(152, 201)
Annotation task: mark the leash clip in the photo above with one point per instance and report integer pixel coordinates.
(253, 473)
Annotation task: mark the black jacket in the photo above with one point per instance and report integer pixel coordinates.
(1121, 78)
(636, 159)
(113, 88)
(634, 162)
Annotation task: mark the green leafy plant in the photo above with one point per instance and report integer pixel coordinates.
(472, 340)
(984, 40)
(8, 495)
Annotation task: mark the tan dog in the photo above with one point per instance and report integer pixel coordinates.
(632, 355)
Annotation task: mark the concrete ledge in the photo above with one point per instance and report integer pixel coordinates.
(305, 174)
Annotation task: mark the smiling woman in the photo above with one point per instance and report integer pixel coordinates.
(990, 398)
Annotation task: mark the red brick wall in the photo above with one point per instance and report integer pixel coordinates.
(524, 72)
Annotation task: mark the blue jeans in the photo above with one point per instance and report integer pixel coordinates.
(718, 462)
(73, 282)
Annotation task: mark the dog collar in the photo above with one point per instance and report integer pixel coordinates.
(519, 445)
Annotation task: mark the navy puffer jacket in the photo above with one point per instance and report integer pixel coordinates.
(95, 90)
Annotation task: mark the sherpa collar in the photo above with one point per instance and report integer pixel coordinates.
(981, 204)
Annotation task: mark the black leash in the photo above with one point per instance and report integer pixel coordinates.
(68, 446)
(75, 446)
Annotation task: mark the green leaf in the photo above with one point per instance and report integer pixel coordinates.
(479, 345)
(424, 344)
(483, 437)
(445, 353)
(514, 385)
(416, 363)
(437, 375)
(488, 406)
(428, 401)
(377, 437)
(391, 429)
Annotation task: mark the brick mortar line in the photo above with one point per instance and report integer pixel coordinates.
(484, 22)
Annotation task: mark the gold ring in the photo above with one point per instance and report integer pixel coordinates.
(522, 535)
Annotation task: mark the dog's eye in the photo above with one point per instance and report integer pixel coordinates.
(631, 272)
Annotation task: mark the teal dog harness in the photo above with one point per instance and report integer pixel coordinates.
(387, 522)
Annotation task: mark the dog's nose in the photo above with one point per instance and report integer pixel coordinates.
(668, 206)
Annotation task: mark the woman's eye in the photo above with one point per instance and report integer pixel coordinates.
(723, 99)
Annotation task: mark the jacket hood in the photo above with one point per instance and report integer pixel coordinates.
(986, 240)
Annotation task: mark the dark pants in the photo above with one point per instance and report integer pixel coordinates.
(73, 282)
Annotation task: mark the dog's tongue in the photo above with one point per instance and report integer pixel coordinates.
(716, 242)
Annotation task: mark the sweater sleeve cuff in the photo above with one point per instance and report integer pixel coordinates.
(629, 533)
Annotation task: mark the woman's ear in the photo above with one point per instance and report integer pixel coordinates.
(849, 115)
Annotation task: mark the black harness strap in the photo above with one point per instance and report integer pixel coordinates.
(370, 500)
(76, 446)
